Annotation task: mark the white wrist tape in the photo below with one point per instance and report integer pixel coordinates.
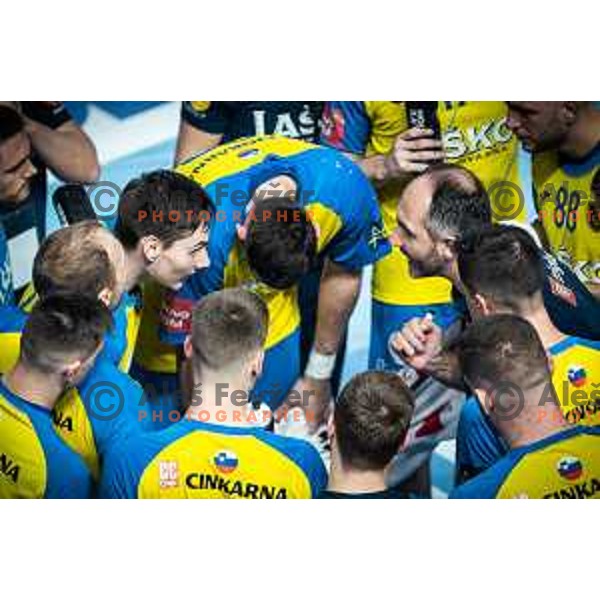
(320, 366)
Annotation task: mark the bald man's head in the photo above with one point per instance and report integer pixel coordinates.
(438, 209)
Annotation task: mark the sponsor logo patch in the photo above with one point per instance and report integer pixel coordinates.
(569, 468)
(225, 461)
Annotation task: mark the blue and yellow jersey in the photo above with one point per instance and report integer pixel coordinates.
(105, 407)
(118, 344)
(83, 417)
(571, 306)
(12, 321)
(475, 136)
(195, 460)
(151, 352)
(34, 462)
(576, 379)
(334, 191)
(565, 465)
(296, 119)
(567, 196)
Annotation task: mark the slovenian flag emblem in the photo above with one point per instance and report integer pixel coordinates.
(225, 461)
(577, 376)
(570, 468)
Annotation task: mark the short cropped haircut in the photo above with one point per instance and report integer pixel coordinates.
(227, 327)
(11, 123)
(502, 262)
(281, 244)
(160, 193)
(500, 349)
(372, 415)
(72, 261)
(459, 204)
(61, 329)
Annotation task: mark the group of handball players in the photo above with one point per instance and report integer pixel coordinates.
(192, 344)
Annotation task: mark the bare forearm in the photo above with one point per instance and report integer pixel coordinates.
(191, 141)
(338, 294)
(380, 169)
(445, 368)
(67, 151)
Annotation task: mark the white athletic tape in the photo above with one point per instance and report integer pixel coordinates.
(320, 366)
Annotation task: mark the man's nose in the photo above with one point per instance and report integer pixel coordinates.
(203, 261)
(30, 170)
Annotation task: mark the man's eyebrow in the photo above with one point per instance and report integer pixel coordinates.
(403, 225)
(198, 245)
(18, 165)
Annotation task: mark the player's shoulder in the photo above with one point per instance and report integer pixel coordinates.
(302, 452)
(582, 431)
(330, 158)
(544, 164)
(570, 304)
(15, 410)
(336, 178)
(105, 372)
(575, 344)
(486, 484)
(126, 459)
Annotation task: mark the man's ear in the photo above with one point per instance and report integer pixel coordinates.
(242, 228)
(447, 250)
(151, 248)
(570, 111)
(106, 296)
(482, 305)
(256, 365)
(188, 349)
(71, 371)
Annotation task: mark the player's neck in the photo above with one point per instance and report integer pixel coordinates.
(538, 317)
(584, 136)
(223, 400)
(134, 268)
(36, 388)
(351, 481)
(540, 418)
